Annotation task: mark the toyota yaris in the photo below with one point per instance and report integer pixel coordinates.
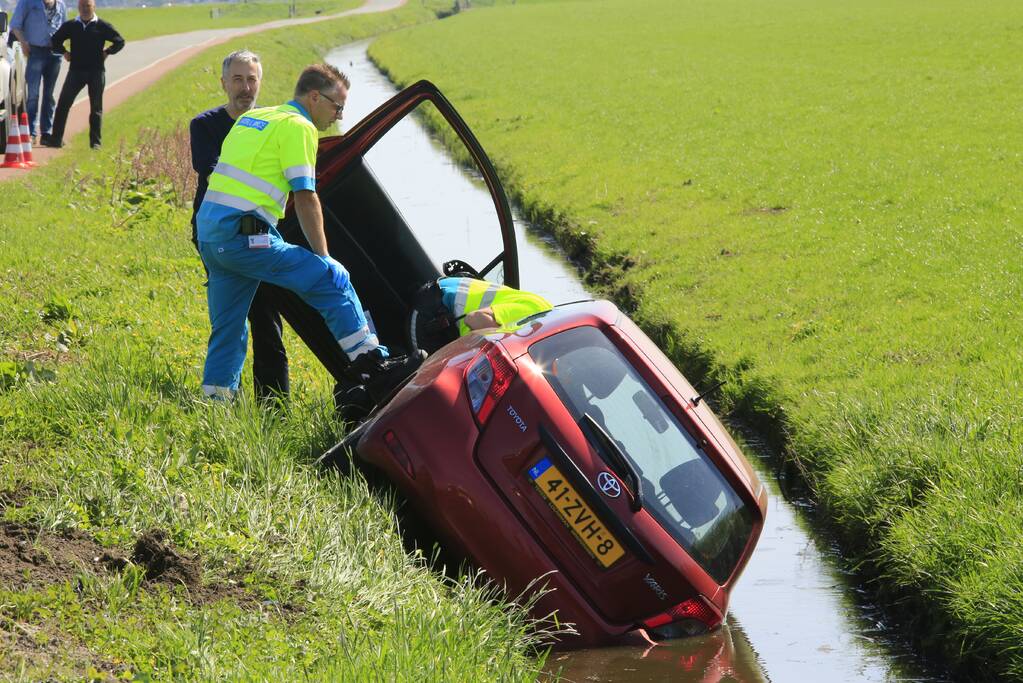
(564, 454)
(569, 447)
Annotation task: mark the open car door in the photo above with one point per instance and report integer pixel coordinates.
(379, 241)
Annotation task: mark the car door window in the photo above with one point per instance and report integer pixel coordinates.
(440, 193)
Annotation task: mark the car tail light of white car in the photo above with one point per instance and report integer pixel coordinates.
(487, 378)
(692, 617)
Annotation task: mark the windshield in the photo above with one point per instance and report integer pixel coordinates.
(679, 484)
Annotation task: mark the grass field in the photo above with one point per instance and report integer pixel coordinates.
(820, 203)
(137, 23)
(148, 535)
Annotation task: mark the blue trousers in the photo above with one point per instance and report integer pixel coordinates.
(42, 66)
(235, 271)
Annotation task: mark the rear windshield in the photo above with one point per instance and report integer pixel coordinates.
(680, 486)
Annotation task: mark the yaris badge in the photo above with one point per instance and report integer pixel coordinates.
(609, 486)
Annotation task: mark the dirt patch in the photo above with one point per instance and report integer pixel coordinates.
(31, 558)
(153, 552)
(37, 356)
(766, 209)
(42, 652)
(15, 497)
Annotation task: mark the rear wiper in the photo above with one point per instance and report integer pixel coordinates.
(621, 463)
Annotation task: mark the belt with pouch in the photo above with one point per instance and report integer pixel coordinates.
(252, 225)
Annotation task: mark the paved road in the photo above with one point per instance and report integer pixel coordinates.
(141, 54)
(141, 63)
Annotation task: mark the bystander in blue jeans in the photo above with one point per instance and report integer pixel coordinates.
(43, 68)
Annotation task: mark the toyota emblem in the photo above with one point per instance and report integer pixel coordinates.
(609, 486)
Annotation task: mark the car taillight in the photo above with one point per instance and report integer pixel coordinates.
(397, 449)
(487, 378)
(689, 618)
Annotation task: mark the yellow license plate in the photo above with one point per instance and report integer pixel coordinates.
(575, 513)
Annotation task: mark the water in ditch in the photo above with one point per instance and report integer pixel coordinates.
(794, 614)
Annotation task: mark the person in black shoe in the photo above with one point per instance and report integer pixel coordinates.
(352, 401)
(89, 36)
(241, 75)
(442, 311)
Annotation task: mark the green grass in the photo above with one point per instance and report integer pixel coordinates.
(820, 203)
(101, 430)
(136, 23)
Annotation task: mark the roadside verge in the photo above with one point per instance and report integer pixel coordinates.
(283, 571)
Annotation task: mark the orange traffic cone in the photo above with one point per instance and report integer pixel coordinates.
(26, 142)
(12, 153)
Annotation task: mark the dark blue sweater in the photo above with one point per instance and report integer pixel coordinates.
(207, 132)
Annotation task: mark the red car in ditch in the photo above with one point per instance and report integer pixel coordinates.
(564, 453)
(568, 447)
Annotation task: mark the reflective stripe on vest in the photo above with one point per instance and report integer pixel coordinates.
(253, 182)
(461, 295)
(241, 204)
(473, 295)
(293, 172)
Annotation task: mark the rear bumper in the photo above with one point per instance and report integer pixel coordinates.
(425, 442)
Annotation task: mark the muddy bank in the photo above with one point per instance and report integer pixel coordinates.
(33, 559)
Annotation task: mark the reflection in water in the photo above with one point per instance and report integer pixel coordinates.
(724, 656)
(791, 602)
(421, 188)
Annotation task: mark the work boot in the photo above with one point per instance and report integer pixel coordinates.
(352, 402)
(381, 375)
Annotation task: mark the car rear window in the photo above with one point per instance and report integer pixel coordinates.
(680, 486)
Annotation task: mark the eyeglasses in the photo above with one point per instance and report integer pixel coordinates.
(338, 108)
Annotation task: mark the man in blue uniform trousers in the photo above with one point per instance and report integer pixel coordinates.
(270, 152)
(241, 76)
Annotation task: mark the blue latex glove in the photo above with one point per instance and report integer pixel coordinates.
(338, 274)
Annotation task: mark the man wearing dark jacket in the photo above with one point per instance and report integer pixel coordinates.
(88, 35)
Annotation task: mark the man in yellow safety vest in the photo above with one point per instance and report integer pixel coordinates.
(465, 304)
(270, 152)
(442, 311)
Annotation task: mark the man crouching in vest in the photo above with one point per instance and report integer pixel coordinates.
(477, 304)
(442, 311)
(270, 152)
(451, 307)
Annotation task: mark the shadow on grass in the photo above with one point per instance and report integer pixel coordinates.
(418, 538)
